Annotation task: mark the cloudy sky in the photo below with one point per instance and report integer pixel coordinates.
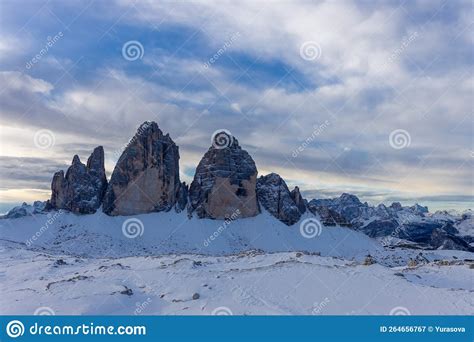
(335, 96)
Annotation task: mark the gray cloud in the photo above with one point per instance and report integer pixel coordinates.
(27, 173)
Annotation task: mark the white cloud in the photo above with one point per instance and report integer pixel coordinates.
(367, 82)
(14, 80)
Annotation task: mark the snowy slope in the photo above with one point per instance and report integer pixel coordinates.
(247, 283)
(99, 235)
(466, 227)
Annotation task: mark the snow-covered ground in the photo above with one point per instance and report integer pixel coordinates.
(247, 284)
(86, 265)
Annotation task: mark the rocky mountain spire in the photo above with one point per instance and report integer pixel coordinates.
(274, 195)
(224, 183)
(298, 199)
(83, 187)
(146, 177)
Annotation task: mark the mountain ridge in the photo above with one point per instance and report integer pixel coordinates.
(146, 180)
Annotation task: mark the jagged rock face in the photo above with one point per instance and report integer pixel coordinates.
(396, 206)
(381, 228)
(328, 216)
(441, 239)
(418, 209)
(224, 184)
(82, 189)
(274, 196)
(298, 199)
(146, 177)
(59, 191)
(407, 223)
(435, 235)
(181, 197)
(347, 205)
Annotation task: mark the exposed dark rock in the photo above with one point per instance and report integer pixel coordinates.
(441, 239)
(407, 223)
(146, 177)
(274, 196)
(328, 216)
(298, 199)
(369, 260)
(224, 184)
(418, 209)
(60, 262)
(82, 189)
(59, 191)
(181, 197)
(381, 228)
(396, 206)
(347, 205)
(25, 209)
(127, 291)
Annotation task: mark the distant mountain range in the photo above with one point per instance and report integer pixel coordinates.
(226, 187)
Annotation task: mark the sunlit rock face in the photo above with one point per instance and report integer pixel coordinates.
(224, 185)
(82, 189)
(146, 177)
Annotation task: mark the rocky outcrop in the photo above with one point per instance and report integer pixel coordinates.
(328, 216)
(82, 188)
(146, 177)
(347, 205)
(395, 221)
(418, 209)
(181, 197)
(274, 196)
(396, 206)
(224, 183)
(25, 209)
(298, 199)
